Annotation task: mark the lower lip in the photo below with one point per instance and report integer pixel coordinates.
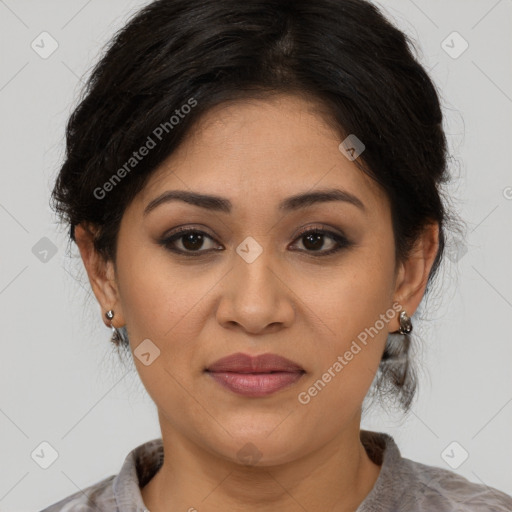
(255, 384)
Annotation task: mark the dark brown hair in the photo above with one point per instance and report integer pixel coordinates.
(201, 53)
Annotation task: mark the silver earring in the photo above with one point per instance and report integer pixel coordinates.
(116, 336)
(405, 323)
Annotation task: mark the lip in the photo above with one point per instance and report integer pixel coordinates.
(255, 376)
(245, 363)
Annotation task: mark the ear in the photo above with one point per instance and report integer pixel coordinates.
(412, 275)
(101, 274)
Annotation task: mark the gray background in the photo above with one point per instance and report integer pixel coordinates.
(61, 382)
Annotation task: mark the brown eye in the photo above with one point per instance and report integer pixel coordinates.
(313, 241)
(187, 241)
(191, 240)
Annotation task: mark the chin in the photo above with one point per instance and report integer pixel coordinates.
(261, 448)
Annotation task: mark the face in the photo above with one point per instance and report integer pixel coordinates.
(248, 278)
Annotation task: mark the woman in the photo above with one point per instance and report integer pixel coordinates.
(255, 191)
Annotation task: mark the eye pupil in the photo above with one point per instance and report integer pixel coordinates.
(314, 238)
(192, 241)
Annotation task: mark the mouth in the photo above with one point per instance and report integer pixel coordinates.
(255, 376)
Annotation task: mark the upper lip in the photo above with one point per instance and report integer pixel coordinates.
(245, 363)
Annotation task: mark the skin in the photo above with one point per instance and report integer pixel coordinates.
(295, 303)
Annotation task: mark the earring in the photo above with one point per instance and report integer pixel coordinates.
(116, 336)
(405, 323)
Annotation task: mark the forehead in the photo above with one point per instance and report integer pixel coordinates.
(263, 151)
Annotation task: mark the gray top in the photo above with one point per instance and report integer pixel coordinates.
(402, 486)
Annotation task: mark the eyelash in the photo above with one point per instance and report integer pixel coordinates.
(341, 241)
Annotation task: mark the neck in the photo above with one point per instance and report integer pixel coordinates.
(336, 477)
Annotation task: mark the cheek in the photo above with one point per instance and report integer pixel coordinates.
(351, 297)
(355, 314)
(157, 294)
(169, 305)
(169, 311)
(350, 354)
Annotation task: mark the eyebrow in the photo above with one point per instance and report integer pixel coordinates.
(221, 204)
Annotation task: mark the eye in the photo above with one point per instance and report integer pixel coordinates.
(314, 240)
(190, 239)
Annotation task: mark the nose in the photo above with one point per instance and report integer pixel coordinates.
(256, 297)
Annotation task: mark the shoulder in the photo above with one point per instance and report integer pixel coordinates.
(117, 492)
(405, 485)
(96, 497)
(436, 488)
